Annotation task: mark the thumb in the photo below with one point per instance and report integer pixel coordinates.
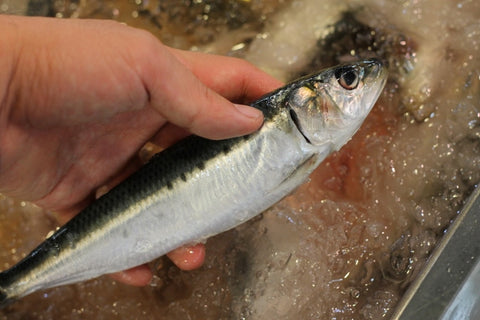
(182, 99)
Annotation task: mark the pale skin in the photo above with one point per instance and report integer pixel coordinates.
(79, 98)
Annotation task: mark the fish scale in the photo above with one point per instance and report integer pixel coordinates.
(199, 188)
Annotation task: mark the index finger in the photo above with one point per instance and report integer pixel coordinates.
(235, 79)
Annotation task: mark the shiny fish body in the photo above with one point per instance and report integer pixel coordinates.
(199, 188)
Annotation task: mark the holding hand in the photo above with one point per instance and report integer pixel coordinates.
(79, 98)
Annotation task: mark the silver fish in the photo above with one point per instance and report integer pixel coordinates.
(199, 188)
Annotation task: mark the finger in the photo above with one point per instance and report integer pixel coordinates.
(185, 258)
(184, 100)
(188, 257)
(168, 135)
(235, 79)
(137, 276)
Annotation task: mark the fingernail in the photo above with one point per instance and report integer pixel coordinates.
(249, 111)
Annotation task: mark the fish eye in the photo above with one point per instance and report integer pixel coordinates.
(347, 77)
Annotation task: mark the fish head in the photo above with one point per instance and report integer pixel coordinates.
(330, 106)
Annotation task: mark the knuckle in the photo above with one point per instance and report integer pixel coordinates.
(146, 45)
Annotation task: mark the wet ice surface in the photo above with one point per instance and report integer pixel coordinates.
(347, 243)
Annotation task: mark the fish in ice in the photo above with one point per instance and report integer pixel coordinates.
(199, 188)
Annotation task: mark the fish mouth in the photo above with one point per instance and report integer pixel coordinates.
(374, 80)
(377, 72)
(377, 69)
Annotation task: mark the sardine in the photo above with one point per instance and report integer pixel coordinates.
(199, 188)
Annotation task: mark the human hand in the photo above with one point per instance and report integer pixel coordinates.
(79, 98)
